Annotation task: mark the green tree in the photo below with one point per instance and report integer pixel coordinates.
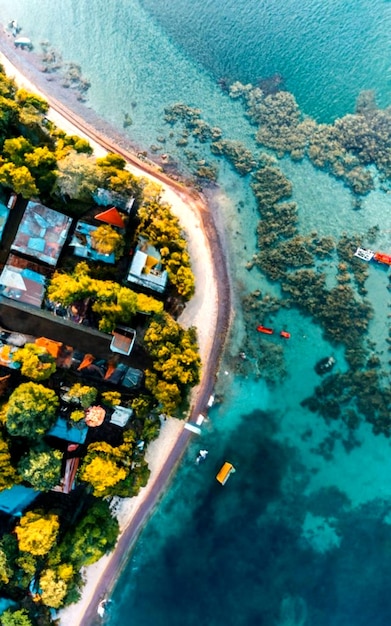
(113, 303)
(36, 362)
(41, 468)
(93, 536)
(15, 150)
(108, 469)
(15, 618)
(5, 570)
(37, 532)
(111, 398)
(8, 475)
(163, 230)
(31, 410)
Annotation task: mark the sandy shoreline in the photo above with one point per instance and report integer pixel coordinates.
(210, 311)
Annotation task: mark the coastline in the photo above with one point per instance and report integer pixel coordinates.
(210, 311)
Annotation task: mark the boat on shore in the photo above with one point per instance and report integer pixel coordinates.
(225, 472)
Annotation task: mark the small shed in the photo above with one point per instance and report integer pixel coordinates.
(146, 270)
(121, 416)
(123, 340)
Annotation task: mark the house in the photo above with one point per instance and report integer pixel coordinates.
(121, 416)
(42, 233)
(146, 269)
(22, 284)
(106, 197)
(83, 245)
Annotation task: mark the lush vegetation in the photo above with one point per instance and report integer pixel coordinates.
(42, 553)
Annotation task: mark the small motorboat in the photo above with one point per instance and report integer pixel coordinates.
(381, 257)
(325, 365)
(285, 334)
(265, 329)
(201, 456)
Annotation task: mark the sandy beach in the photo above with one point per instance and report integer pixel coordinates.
(209, 311)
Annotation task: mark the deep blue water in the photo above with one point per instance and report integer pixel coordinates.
(301, 534)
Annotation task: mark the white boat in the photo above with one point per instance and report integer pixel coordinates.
(201, 456)
(23, 42)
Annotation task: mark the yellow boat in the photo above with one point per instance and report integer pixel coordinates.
(225, 472)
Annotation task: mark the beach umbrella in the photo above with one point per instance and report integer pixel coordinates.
(13, 279)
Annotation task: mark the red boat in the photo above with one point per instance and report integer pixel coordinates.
(264, 329)
(381, 257)
(285, 334)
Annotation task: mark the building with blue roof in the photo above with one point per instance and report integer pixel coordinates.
(15, 500)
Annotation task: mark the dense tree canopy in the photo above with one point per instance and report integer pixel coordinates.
(15, 618)
(82, 394)
(92, 537)
(53, 588)
(37, 532)
(31, 410)
(41, 468)
(112, 302)
(36, 362)
(106, 240)
(8, 475)
(176, 364)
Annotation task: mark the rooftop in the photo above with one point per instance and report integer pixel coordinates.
(14, 500)
(42, 233)
(82, 244)
(22, 284)
(146, 270)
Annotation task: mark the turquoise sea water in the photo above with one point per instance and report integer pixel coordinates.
(301, 534)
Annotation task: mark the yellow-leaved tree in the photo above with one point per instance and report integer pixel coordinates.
(36, 362)
(106, 240)
(37, 532)
(102, 473)
(53, 588)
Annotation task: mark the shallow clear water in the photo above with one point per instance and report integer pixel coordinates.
(301, 534)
